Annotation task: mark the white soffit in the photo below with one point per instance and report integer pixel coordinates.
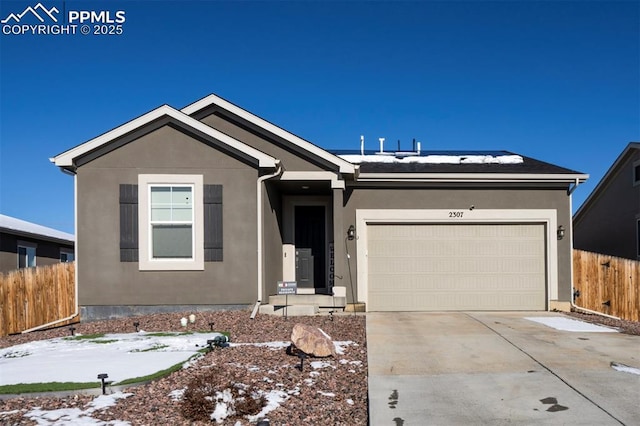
(66, 158)
(344, 166)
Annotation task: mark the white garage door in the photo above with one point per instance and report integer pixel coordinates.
(433, 267)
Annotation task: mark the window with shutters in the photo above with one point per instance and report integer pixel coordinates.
(171, 222)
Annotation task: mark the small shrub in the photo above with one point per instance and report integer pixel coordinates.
(209, 389)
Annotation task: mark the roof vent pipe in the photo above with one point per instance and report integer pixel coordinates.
(418, 147)
(381, 145)
(361, 144)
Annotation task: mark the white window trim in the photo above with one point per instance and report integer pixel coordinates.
(146, 263)
(27, 244)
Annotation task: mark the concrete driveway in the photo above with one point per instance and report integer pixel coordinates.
(497, 368)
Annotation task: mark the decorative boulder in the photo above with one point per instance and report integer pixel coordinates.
(312, 341)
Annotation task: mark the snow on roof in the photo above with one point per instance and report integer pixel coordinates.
(22, 226)
(434, 159)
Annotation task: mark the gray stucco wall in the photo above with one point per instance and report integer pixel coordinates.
(461, 199)
(290, 159)
(104, 280)
(609, 224)
(272, 247)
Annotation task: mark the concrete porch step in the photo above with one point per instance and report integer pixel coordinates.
(291, 311)
(320, 300)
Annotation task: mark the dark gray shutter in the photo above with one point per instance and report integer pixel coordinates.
(213, 223)
(128, 223)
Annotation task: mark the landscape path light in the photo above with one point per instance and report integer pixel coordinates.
(103, 376)
(302, 356)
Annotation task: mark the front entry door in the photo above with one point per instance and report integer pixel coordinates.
(310, 246)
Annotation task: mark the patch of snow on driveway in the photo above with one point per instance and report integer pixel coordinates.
(625, 368)
(566, 324)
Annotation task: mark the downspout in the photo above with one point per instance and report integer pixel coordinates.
(75, 253)
(261, 179)
(573, 305)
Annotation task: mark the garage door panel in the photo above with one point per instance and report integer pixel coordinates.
(413, 267)
(418, 249)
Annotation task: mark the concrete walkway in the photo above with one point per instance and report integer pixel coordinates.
(497, 368)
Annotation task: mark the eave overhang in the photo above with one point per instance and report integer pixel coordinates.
(343, 165)
(67, 159)
(473, 177)
(606, 179)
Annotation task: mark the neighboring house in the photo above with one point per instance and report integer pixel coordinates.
(212, 206)
(25, 244)
(608, 221)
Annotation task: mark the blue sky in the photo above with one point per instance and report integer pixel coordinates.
(557, 81)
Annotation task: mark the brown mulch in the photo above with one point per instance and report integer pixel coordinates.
(336, 394)
(624, 326)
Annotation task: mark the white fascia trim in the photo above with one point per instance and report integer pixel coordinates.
(470, 177)
(66, 158)
(442, 216)
(344, 166)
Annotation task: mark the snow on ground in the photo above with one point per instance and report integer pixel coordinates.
(339, 346)
(625, 368)
(567, 324)
(274, 399)
(76, 416)
(121, 356)
(124, 356)
(320, 364)
(434, 159)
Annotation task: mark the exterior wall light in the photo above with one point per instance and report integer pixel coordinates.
(560, 232)
(351, 233)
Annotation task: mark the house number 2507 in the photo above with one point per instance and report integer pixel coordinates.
(456, 214)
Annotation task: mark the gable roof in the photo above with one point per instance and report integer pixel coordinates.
(66, 160)
(620, 162)
(214, 100)
(15, 226)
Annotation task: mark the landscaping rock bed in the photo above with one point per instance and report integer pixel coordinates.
(624, 326)
(327, 391)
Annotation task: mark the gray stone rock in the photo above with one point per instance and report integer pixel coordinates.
(312, 341)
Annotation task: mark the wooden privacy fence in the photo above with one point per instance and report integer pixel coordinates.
(607, 284)
(36, 296)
